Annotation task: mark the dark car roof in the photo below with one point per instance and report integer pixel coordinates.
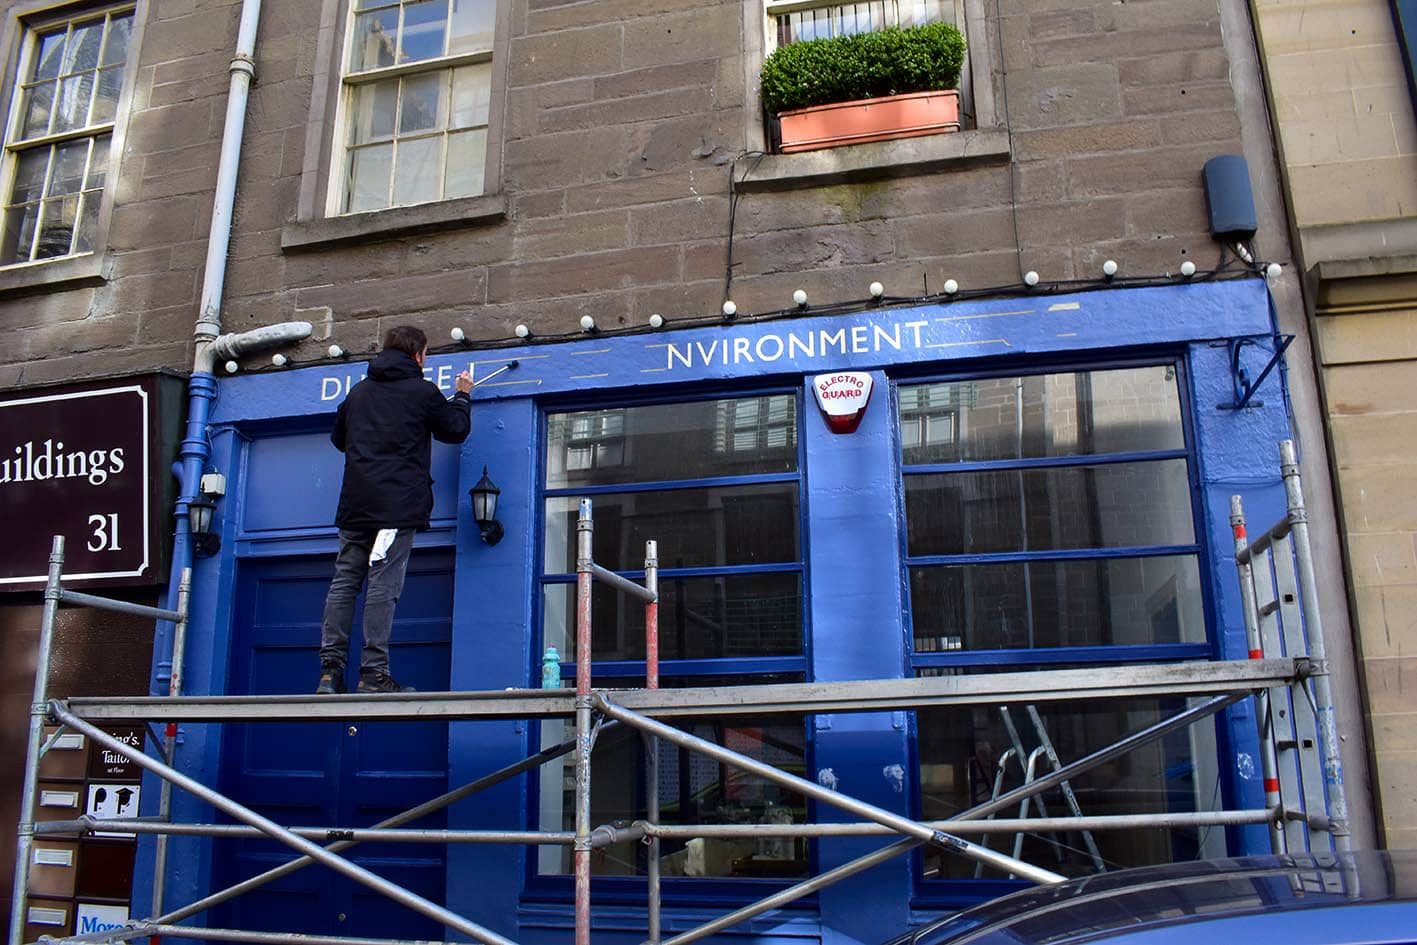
(1269, 898)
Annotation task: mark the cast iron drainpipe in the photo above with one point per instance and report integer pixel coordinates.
(209, 345)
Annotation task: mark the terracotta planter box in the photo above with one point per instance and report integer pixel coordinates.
(872, 119)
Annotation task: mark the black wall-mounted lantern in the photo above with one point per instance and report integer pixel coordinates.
(484, 508)
(201, 517)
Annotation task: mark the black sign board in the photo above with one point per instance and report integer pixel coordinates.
(105, 764)
(89, 463)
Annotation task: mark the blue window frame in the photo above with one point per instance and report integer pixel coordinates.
(716, 481)
(1051, 518)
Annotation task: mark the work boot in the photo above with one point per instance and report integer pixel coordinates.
(380, 681)
(331, 680)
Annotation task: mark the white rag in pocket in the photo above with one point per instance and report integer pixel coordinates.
(382, 542)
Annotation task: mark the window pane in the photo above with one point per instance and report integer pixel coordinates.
(1103, 602)
(69, 160)
(425, 103)
(56, 228)
(1105, 506)
(98, 164)
(373, 43)
(29, 174)
(419, 171)
(49, 55)
(20, 225)
(120, 30)
(467, 163)
(739, 615)
(693, 789)
(424, 26)
(473, 26)
(472, 93)
(88, 221)
(82, 52)
(368, 184)
(729, 525)
(72, 109)
(373, 110)
(749, 435)
(110, 86)
(39, 104)
(963, 749)
(1049, 415)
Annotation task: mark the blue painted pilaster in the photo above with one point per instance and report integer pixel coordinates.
(493, 617)
(855, 601)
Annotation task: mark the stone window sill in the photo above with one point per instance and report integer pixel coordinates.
(68, 272)
(398, 221)
(903, 157)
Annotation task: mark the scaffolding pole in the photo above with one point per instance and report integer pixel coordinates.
(25, 833)
(811, 789)
(244, 814)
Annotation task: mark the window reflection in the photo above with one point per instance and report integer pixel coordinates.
(969, 755)
(693, 789)
(1075, 414)
(662, 442)
(1109, 602)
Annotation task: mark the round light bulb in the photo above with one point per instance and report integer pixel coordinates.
(523, 332)
(877, 290)
(800, 297)
(457, 334)
(656, 320)
(730, 308)
(1272, 271)
(1188, 268)
(1030, 278)
(231, 367)
(951, 287)
(336, 351)
(279, 360)
(587, 323)
(1109, 268)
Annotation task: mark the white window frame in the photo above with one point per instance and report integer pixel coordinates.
(23, 29)
(338, 177)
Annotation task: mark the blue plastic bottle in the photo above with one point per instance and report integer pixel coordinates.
(551, 669)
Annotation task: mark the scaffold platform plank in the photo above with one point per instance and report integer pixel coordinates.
(1110, 682)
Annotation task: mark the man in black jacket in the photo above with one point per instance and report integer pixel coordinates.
(382, 428)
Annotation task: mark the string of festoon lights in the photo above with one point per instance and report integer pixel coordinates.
(877, 296)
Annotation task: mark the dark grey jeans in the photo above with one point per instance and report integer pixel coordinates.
(385, 584)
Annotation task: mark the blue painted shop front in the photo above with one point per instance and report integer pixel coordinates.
(864, 567)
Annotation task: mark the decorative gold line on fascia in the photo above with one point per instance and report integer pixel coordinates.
(1065, 307)
(513, 357)
(587, 377)
(537, 382)
(965, 344)
(652, 370)
(965, 318)
(1067, 334)
(581, 354)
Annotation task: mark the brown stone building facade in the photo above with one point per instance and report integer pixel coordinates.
(1350, 170)
(510, 173)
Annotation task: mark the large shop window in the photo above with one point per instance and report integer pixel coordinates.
(69, 82)
(716, 482)
(1050, 520)
(417, 94)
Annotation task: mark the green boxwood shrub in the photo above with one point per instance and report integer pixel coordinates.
(864, 65)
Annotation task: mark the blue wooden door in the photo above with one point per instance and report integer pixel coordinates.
(334, 774)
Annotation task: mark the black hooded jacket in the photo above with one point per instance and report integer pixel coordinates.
(382, 428)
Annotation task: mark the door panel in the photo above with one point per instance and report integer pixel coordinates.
(328, 774)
